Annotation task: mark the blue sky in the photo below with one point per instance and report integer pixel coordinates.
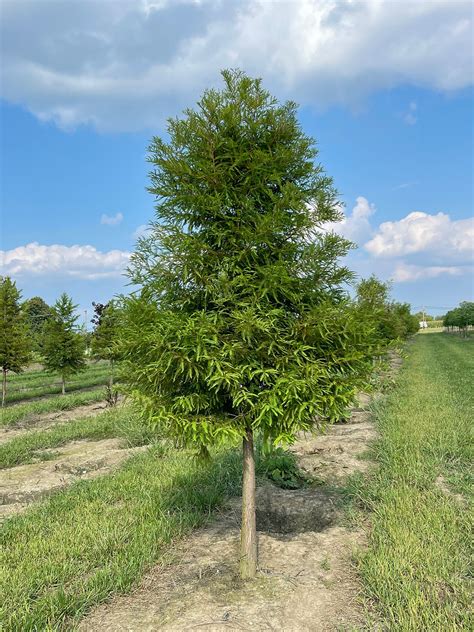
(392, 118)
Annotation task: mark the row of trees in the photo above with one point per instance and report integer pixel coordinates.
(460, 318)
(391, 320)
(34, 328)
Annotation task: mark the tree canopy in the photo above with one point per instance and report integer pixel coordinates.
(104, 336)
(63, 346)
(462, 317)
(37, 313)
(242, 323)
(390, 320)
(15, 344)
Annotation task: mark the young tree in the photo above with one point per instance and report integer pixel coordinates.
(37, 313)
(15, 348)
(63, 346)
(242, 324)
(104, 336)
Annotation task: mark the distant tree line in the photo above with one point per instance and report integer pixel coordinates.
(461, 318)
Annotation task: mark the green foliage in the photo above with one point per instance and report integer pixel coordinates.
(390, 320)
(37, 314)
(461, 317)
(106, 321)
(15, 348)
(63, 346)
(242, 318)
(281, 467)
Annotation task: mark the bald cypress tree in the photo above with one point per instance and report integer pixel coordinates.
(242, 324)
(15, 346)
(63, 346)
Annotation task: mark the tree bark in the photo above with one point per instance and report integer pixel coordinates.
(63, 385)
(111, 375)
(4, 387)
(248, 534)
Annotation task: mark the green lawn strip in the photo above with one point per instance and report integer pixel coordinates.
(416, 566)
(54, 380)
(54, 389)
(96, 538)
(43, 377)
(29, 410)
(117, 422)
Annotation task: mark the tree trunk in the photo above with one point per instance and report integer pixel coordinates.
(4, 387)
(111, 376)
(248, 535)
(63, 385)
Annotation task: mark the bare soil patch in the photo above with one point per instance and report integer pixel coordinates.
(306, 581)
(48, 420)
(21, 485)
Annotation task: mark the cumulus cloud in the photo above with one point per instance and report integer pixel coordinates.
(356, 226)
(405, 272)
(82, 262)
(423, 246)
(111, 220)
(419, 246)
(436, 237)
(126, 65)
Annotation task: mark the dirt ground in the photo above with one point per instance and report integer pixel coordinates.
(306, 580)
(48, 420)
(24, 484)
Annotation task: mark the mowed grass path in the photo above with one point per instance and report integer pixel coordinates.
(416, 570)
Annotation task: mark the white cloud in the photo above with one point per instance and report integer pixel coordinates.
(111, 220)
(410, 117)
(405, 185)
(356, 226)
(435, 237)
(82, 262)
(141, 231)
(127, 65)
(417, 247)
(405, 272)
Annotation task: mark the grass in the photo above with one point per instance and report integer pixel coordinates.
(25, 412)
(41, 377)
(97, 537)
(416, 568)
(118, 422)
(24, 386)
(81, 381)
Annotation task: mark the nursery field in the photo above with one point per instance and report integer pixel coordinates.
(36, 384)
(107, 526)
